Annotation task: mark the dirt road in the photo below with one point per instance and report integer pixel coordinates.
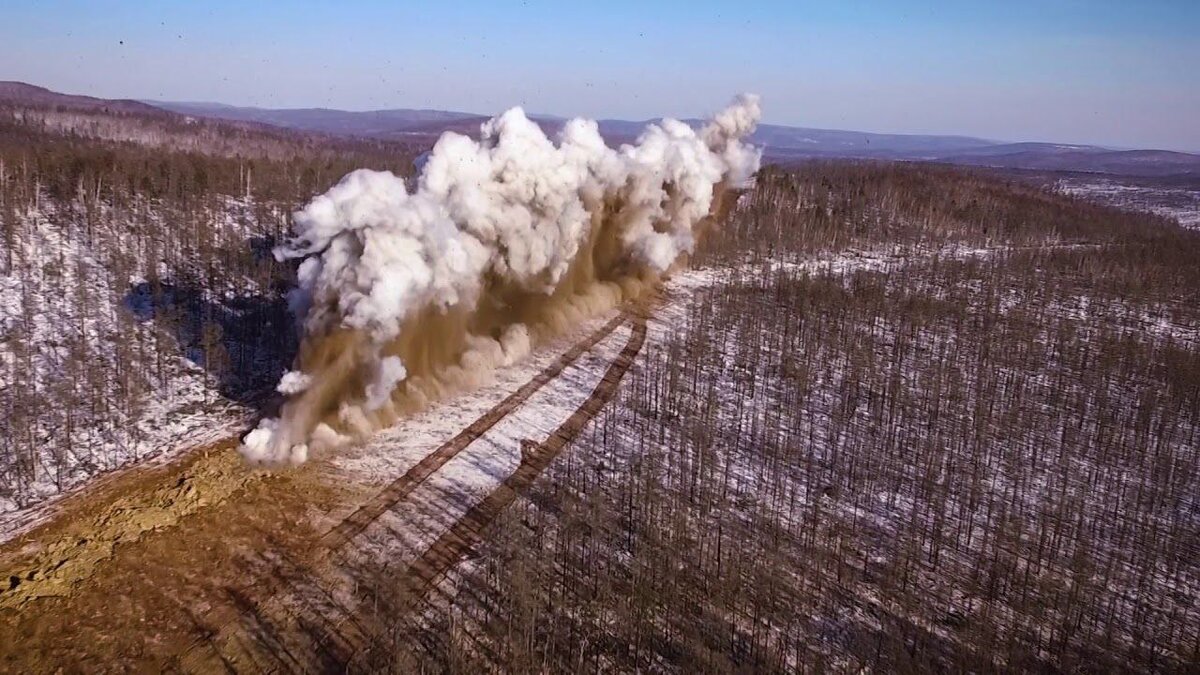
(205, 565)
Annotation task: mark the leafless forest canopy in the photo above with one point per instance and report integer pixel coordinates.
(966, 462)
(131, 265)
(979, 454)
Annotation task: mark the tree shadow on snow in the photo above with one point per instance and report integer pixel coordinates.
(243, 341)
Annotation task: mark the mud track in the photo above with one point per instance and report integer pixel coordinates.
(404, 485)
(317, 616)
(203, 565)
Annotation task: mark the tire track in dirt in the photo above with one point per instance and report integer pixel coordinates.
(228, 646)
(454, 545)
(403, 486)
(323, 634)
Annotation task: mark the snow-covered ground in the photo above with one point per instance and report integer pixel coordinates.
(1034, 471)
(89, 382)
(185, 411)
(406, 531)
(436, 504)
(1182, 204)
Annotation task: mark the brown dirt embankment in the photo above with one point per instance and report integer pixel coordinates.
(153, 561)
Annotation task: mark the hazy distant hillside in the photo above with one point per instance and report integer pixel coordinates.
(408, 123)
(829, 140)
(1047, 157)
(22, 93)
(27, 109)
(785, 141)
(370, 123)
(780, 143)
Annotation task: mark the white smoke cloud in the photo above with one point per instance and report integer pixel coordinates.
(262, 445)
(512, 215)
(388, 374)
(725, 132)
(293, 382)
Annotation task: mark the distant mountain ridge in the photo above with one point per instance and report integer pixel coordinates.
(327, 120)
(28, 94)
(780, 143)
(410, 122)
(53, 114)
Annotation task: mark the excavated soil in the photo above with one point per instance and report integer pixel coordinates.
(158, 569)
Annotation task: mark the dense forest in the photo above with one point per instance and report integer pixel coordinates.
(136, 281)
(980, 456)
(924, 419)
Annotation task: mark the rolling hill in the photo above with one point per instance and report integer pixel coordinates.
(21, 93)
(781, 144)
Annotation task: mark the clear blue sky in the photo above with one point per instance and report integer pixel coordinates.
(1123, 73)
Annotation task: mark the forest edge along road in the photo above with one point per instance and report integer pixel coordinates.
(286, 631)
(78, 551)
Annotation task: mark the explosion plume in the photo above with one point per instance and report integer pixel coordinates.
(504, 242)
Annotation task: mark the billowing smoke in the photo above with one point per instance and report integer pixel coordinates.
(504, 242)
